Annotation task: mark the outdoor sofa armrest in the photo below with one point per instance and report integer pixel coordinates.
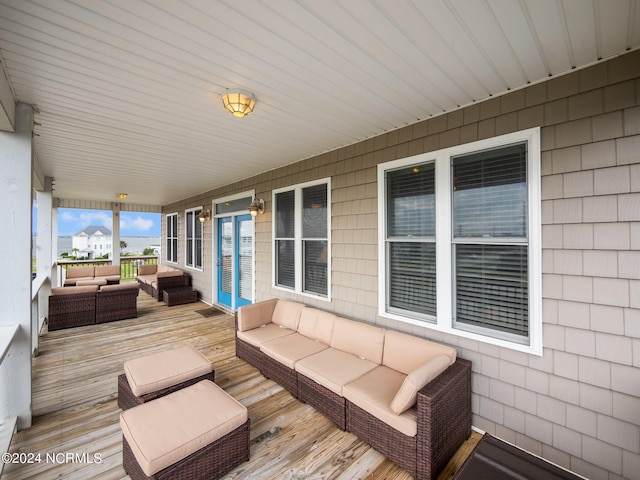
(444, 418)
(256, 314)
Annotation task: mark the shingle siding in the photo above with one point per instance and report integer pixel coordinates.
(578, 404)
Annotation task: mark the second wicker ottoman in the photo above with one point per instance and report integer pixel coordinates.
(153, 376)
(197, 433)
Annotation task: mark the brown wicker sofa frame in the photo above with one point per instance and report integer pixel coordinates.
(89, 305)
(443, 413)
(164, 282)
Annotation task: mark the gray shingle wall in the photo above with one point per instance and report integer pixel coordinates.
(579, 404)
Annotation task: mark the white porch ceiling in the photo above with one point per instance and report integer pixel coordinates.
(128, 91)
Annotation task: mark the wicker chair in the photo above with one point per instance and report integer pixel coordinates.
(72, 307)
(116, 302)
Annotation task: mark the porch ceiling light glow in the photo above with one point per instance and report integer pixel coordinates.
(238, 102)
(256, 207)
(122, 196)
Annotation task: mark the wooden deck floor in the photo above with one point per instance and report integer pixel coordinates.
(76, 434)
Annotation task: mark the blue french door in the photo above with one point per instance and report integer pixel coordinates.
(235, 261)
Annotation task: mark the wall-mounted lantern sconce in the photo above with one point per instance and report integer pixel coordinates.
(204, 215)
(256, 207)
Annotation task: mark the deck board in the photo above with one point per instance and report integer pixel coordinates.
(75, 408)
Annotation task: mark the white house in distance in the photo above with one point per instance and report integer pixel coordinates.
(92, 242)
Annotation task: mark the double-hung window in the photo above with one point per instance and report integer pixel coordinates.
(172, 238)
(301, 238)
(193, 253)
(460, 240)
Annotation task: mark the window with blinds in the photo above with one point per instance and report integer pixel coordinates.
(301, 238)
(490, 241)
(193, 245)
(410, 242)
(460, 240)
(172, 238)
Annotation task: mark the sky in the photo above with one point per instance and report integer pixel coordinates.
(132, 224)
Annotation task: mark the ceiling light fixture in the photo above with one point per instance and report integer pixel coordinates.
(238, 102)
(122, 196)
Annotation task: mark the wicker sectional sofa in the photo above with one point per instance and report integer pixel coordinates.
(407, 397)
(87, 305)
(154, 279)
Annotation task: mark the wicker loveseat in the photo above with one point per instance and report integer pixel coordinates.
(154, 279)
(87, 305)
(407, 397)
(110, 274)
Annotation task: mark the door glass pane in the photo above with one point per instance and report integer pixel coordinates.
(245, 259)
(237, 205)
(226, 254)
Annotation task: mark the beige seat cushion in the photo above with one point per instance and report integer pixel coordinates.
(418, 378)
(258, 336)
(334, 368)
(91, 281)
(160, 370)
(168, 429)
(291, 348)
(374, 392)
(146, 279)
(72, 281)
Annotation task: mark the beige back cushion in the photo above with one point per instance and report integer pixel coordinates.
(408, 393)
(147, 269)
(165, 268)
(73, 290)
(256, 314)
(77, 272)
(316, 324)
(287, 314)
(107, 270)
(357, 338)
(405, 352)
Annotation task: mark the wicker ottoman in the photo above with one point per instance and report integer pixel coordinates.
(179, 296)
(153, 376)
(199, 432)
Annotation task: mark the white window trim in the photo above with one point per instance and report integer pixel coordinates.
(177, 237)
(298, 239)
(444, 239)
(195, 219)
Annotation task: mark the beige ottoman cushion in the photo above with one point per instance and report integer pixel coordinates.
(164, 369)
(168, 429)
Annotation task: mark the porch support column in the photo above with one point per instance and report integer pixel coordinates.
(115, 230)
(15, 282)
(44, 249)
